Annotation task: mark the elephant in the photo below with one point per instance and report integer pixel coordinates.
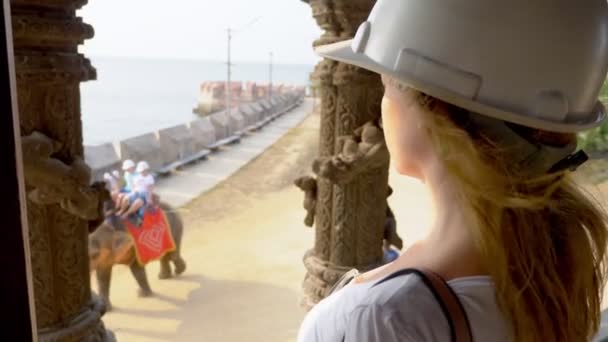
(110, 244)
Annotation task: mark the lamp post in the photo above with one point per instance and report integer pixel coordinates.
(231, 32)
(270, 77)
(228, 93)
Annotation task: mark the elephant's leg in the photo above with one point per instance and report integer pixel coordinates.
(179, 262)
(165, 267)
(104, 277)
(139, 272)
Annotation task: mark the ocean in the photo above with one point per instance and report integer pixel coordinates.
(136, 96)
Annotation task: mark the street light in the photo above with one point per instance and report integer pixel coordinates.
(270, 77)
(229, 64)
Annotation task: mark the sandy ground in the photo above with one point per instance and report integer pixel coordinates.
(244, 243)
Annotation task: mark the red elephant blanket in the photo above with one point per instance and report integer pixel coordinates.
(153, 238)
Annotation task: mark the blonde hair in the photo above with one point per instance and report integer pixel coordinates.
(542, 240)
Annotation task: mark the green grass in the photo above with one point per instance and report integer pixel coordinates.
(604, 93)
(596, 140)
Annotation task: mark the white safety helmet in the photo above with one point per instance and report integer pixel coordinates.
(127, 164)
(142, 166)
(537, 63)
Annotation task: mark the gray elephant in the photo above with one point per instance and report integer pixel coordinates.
(110, 244)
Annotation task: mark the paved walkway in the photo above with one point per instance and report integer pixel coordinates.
(190, 182)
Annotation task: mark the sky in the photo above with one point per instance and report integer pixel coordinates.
(196, 29)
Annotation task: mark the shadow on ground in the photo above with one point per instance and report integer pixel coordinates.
(213, 308)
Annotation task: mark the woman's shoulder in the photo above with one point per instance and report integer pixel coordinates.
(393, 292)
(407, 304)
(396, 288)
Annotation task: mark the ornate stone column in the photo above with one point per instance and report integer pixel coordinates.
(350, 208)
(60, 202)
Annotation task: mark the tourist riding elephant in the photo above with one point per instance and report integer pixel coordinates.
(110, 244)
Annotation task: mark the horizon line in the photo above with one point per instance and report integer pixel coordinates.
(191, 59)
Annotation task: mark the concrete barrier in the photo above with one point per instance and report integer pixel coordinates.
(262, 113)
(237, 122)
(251, 115)
(202, 132)
(221, 124)
(274, 110)
(144, 147)
(291, 98)
(259, 109)
(267, 108)
(101, 158)
(276, 107)
(283, 102)
(176, 143)
(225, 130)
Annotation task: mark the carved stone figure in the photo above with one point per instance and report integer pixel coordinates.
(110, 245)
(55, 182)
(362, 151)
(308, 184)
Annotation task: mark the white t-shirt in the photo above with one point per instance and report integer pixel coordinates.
(143, 183)
(402, 309)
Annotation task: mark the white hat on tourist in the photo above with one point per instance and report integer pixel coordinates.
(127, 164)
(142, 166)
(107, 177)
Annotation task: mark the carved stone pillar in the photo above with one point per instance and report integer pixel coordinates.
(49, 70)
(350, 215)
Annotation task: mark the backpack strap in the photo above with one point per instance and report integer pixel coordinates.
(343, 281)
(460, 329)
(455, 312)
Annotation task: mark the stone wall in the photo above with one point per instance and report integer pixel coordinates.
(203, 133)
(182, 142)
(176, 143)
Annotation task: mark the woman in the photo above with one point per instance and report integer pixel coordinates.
(477, 107)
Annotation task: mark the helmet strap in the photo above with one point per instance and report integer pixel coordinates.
(531, 158)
